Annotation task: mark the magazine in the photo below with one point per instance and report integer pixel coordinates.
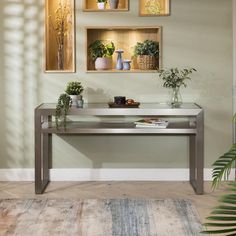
(151, 123)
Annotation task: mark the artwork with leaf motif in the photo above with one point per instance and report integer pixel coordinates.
(154, 7)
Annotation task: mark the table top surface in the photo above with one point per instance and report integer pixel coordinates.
(145, 109)
(142, 106)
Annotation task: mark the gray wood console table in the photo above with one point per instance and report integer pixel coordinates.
(193, 127)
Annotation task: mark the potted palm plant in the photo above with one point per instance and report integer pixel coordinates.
(101, 53)
(147, 54)
(222, 220)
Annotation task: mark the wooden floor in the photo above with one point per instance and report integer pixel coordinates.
(101, 190)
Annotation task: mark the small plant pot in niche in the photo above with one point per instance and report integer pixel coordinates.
(147, 62)
(126, 65)
(101, 53)
(101, 5)
(74, 99)
(113, 4)
(103, 63)
(147, 54)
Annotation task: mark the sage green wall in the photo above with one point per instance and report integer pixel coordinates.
(198, 33)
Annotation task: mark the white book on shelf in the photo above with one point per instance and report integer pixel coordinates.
(151, 123)
(150, 127)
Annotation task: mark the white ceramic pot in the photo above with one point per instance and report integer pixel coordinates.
(101, 5)
(113, 4)
(75, 99)
(103, 63)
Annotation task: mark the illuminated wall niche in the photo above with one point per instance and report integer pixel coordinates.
(59, 36)
(124, 38)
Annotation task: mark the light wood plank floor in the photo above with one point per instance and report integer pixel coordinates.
(101, 190)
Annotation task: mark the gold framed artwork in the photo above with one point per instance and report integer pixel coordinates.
(154, 7)
(59, 36)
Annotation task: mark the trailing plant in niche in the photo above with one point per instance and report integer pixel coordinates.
(100, 48)
(74, 88)
(62, 108)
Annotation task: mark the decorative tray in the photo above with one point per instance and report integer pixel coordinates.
(114, 105)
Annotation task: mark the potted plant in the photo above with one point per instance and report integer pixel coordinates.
(101, 53)
(175, 78)
(147, 54)
(74, 90)
(62, 108)
(101, 4)
(66, 100)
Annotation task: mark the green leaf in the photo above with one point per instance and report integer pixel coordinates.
(223, 216)
(221, 232)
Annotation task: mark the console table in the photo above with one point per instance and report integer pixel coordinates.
(192, 126)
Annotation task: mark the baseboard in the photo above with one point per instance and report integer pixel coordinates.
(106, 174)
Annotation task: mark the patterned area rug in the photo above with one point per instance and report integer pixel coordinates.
(114, 217)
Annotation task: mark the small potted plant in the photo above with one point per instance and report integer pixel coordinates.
(147, 54)
(74, 90)
(101, 53)
(101, 4)
(72, 96)
(174, 78)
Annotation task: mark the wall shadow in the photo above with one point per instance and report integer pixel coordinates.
(21, 34)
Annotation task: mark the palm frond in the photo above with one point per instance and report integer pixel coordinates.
(223, 166)
(223, 217)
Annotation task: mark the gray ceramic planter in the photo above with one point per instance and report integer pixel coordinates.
(113, 4)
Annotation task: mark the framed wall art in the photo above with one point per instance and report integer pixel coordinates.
(154, 7)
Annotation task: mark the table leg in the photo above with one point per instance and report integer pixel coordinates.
(200, 153)
(196, 160)
(41, 156)
(192, 158)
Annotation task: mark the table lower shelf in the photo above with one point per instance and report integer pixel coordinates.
(117, 128)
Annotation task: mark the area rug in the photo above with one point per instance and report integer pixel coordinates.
(113, 217)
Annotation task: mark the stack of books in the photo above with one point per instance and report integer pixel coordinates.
(151, 123)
